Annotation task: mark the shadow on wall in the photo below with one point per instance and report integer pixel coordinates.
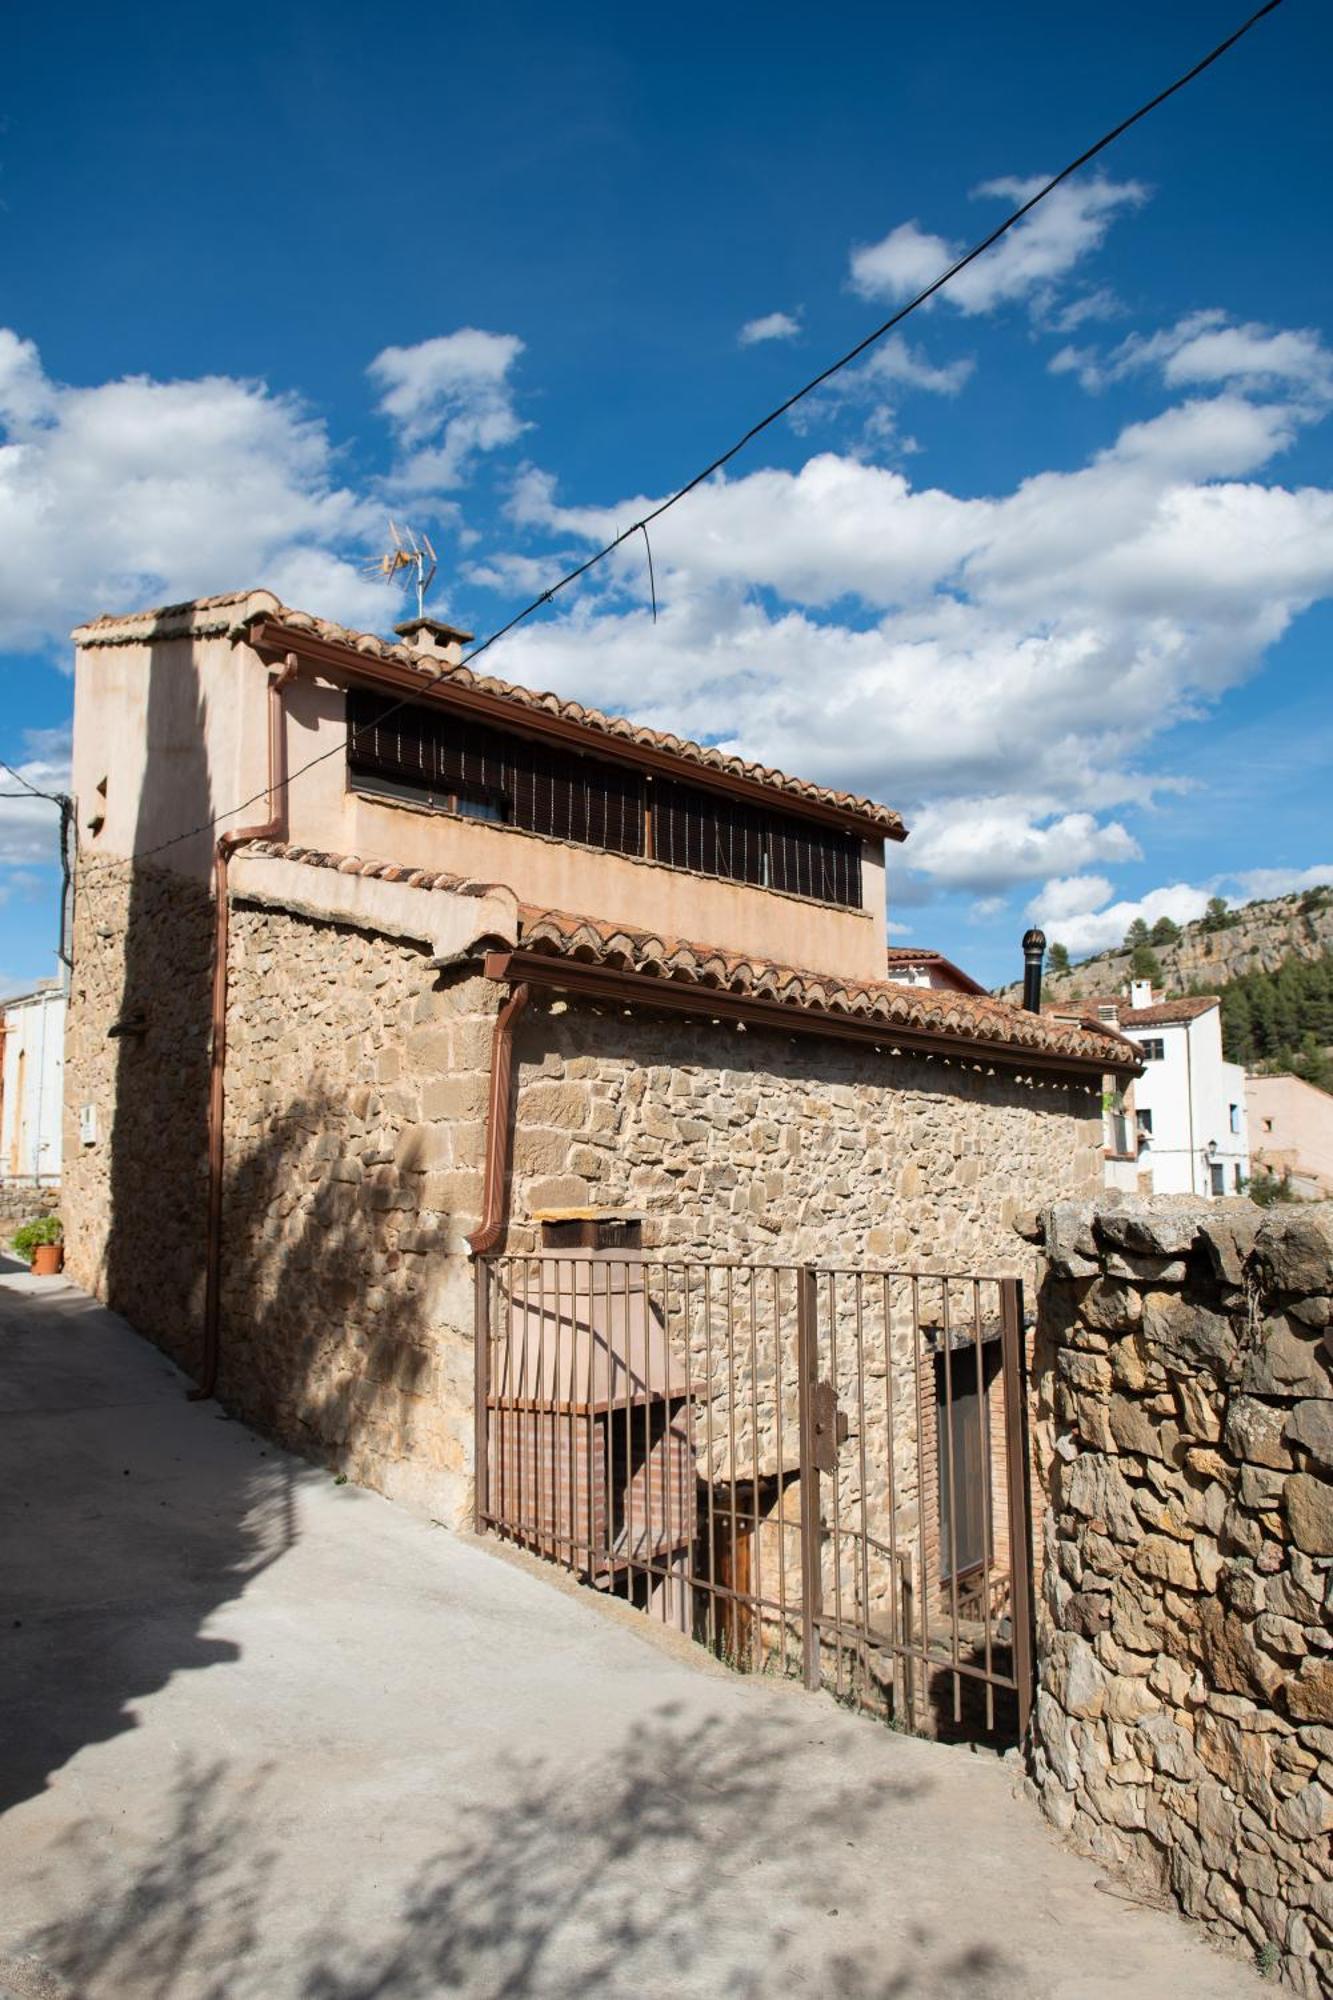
(327, 1336)
(667, 1865)
(157, 1120)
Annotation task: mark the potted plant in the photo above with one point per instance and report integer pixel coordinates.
(42, 1242)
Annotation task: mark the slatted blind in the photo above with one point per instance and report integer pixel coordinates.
(447, 759)
(718, 836)
(543, 790)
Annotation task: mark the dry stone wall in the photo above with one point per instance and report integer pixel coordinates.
(1184, 1715)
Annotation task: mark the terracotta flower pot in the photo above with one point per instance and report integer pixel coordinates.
(47, 1259)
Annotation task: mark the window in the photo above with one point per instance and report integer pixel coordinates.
(432, 758)
(1143, 1123)
(1239, 1178)
(1152, 1050)
(1235, 1117)
(1268, 1124)
(439, 760)
(716, 836)
(962, 1433)
(1217, 1177)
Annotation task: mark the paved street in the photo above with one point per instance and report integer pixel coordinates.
(269, 1738)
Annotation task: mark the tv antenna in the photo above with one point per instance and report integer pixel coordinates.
(408, 552)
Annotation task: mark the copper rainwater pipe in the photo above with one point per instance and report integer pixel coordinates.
(273, 828)
(499, 1128)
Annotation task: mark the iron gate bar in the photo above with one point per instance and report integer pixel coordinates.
(1014, 1373)
(987, 1539)
(555, 1453)
(812, 1582)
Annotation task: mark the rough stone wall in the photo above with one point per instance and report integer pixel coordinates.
(19, 1204)
(356, 1092)
(355, 1141)
(1184, 1718)
(753, 1144)
(133, 1202)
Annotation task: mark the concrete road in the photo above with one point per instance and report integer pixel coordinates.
(269, 1738)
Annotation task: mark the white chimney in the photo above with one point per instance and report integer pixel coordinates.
(437, 641)
(1140, 993)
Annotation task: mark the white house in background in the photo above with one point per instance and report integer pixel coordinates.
(32, 1069)
(1189, 1104)
(1291, 1128)
(909, 965)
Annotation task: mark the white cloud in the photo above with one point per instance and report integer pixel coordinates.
(772, 326)
(1092, 930)
(1259, 884)
(448, 399)
(1035, 255)
(896, 361)
(30, 826)
(1206, 350)
(137, 491)
(1069, 896)
(995, 667)
(986, 845)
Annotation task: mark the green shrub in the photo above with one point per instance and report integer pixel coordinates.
(43, 1229)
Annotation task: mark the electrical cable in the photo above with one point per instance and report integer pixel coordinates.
(724, 458)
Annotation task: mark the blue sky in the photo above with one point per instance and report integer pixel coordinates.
(1051, 573)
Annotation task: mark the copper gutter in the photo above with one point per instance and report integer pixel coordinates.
(273, 828)
(347, 663)
(499, 1126)
(572, 975)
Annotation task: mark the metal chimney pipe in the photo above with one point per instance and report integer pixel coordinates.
(1034, 951)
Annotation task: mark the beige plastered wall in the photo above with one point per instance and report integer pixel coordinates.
(178, 731)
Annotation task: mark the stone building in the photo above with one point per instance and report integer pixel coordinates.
(470, 959)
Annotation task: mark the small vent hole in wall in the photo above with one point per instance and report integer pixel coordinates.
(593, 1232)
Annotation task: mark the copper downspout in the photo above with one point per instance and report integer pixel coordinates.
(273, 828)
(499, 1129)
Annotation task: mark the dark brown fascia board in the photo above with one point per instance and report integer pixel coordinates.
(270, 635)
(643, 989)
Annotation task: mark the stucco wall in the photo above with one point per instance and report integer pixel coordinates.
(178, 731)
(1301, 1138)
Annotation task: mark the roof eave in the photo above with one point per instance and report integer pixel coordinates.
(628, 988)
(272, 635)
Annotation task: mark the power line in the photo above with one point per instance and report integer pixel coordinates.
(29, 790)
(724, 458)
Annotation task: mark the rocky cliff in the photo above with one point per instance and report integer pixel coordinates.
(1260, 938)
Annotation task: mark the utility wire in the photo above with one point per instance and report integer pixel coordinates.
(29, 790)
(724, 458)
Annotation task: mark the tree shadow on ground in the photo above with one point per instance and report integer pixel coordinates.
(691, 1858)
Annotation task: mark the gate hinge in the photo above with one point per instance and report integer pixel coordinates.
(831, 1426)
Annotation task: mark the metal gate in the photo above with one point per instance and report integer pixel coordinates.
(816, 1473)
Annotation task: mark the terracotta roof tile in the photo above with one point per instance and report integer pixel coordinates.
(1164, 1012)
(972, 1018)
(234, 611)
(356, 864)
